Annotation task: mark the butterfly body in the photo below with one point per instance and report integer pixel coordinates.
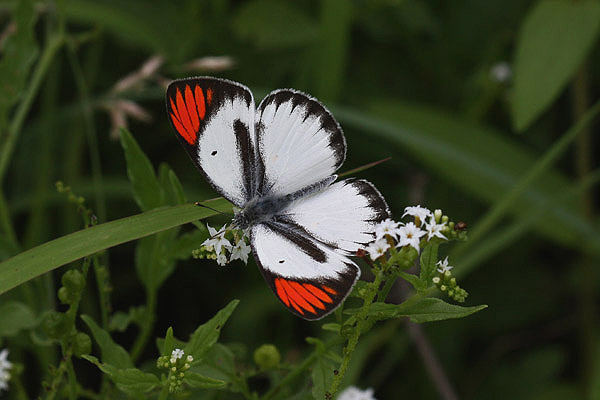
(276, 163)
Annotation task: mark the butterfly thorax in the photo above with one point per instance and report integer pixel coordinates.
(258, 210)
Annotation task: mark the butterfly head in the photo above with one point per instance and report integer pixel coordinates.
(240, 220)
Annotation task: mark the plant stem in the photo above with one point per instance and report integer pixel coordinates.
(146, 328)
(500, 208)
(361, 318)
(587, 275)
(299, 369)
(50, 49)
(90, 131)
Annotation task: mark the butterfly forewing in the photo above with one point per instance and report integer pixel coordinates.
(309, 277)
(214, 121)
(299, 141)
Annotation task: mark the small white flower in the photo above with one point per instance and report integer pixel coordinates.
(410, 235)
(222, 259)
(387, 227)
(443, 266)
(434, 229)
(190, 358)
(217, 239)
(177, 353)
(354, 393)
(5, 365)
(378, 248)
(417, 211)
(240, 251)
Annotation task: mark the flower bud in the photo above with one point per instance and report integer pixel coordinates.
(82, 344)
(267, 356)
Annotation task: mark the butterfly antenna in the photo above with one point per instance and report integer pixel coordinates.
(210, 208)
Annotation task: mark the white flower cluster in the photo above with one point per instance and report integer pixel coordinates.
(177, 366)
(5, 365)
(354, 393)
(221, 246)
(426, 223)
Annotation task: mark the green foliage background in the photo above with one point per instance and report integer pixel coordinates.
(407, 79)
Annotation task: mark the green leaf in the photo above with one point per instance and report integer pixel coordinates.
(422, 310)
(119, 321)
(219, 363)
(154, 26)
(183, 246)
(18, 55)
(112, 353)
(129, 380)
(169, 343)
(414, 280)
(428, 263)
(555, 38)
(206, 335)
(171, 185)
(146, 190)
(152, 260)
(198, 381)
(48, 256)
(14, 317)
(473, 157)
(272, 24)
(322, 376)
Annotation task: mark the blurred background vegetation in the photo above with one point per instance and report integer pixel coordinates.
(466, 97)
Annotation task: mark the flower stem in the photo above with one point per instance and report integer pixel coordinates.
(298, 370)
(361, 318)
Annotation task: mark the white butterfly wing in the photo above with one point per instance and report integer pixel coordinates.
(214, 121)
(299, 141)
(343, 215)
(310, 278)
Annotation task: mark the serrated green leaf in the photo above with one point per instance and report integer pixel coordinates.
(428, 261)
(57, 252)
(14, 317)
(146, 190)
(198, 381)
(322, 376)
(206, 335)
(422, 310)
(18, 55)
(112, 353)
(273, 24)
(555, 38)
(129, 380)
(218, 363)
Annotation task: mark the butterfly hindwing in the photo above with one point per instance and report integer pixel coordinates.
(214, 121)
(299, 141)
(343, 215)
(309, 277)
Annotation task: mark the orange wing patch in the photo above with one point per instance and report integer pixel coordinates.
(187, 110)
(303, 297)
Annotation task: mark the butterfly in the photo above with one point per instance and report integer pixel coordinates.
(276, 163)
